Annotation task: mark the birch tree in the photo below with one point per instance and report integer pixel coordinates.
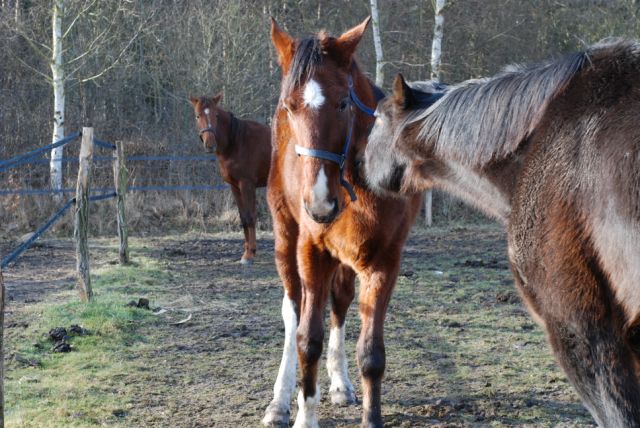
(377, 42)
(96, 46)
(436, 54)
(57, 75)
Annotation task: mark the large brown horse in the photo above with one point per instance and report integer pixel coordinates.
(552, 151)
(329, 226)
(243, 149)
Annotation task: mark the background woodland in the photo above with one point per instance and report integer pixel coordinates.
(130, 66)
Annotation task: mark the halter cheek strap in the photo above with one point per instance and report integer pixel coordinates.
(233, 129)
(340, 158)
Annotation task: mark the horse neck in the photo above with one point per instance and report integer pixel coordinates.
(225, 130)
(489, 187)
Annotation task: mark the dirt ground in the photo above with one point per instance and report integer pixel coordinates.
(461, 350)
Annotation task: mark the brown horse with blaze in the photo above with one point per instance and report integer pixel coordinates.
(328, 225)
(243, 149)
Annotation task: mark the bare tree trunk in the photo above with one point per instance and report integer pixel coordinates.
(436, 46)
(57, 74)
(436, 55)
(377, 42)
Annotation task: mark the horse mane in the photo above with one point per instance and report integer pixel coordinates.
(482, 120)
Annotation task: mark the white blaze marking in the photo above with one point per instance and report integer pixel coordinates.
(337, 362)
(312, 95)
(306, 417)
(286, 380)
(206, 111)
(320, 205)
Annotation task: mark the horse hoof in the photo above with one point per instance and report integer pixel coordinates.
(276, 416)
(343, 398)
(246, 262)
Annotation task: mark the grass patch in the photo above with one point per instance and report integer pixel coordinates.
(90, 385)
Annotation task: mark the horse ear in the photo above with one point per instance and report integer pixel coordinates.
(193, 100)
(345, 45)
(217, 98)
(402, 95)
(284, 45)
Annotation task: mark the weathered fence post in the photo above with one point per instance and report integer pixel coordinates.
(2, 294)
(81, 223)
(121, 177)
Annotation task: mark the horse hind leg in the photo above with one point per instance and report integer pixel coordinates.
(341, 390)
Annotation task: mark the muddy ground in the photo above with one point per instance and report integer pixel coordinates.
(461, 350)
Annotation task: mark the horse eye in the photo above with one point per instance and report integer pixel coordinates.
(197, 116)
(343, 104)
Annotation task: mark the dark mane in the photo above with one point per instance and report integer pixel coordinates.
(498, 113)
(308, 55)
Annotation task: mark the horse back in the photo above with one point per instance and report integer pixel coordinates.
(248, 156)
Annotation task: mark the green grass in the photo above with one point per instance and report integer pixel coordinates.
(90, 385)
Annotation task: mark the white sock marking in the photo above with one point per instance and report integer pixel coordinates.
(337, 361)
(286, 380)
(312, 95)
(306, 417)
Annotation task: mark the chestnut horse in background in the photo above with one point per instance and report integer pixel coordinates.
(243, 149)
(328, 225)
(552, 151)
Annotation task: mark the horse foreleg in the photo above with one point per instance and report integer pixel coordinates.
(278, 412)
(342, 293)
(375, 291)
(246, 201)
(316, 270)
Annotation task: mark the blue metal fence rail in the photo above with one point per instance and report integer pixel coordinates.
(27, 243)
(24, 158)
(105, 193)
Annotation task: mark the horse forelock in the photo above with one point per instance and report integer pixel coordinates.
(307, 56)
(479, 121)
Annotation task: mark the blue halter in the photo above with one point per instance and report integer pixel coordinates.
(342, 157)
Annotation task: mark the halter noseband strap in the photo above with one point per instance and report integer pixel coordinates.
(233, 128)
(208, 129)
(340, 158)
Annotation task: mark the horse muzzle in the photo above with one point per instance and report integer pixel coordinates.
(322, 216)
(208, 145)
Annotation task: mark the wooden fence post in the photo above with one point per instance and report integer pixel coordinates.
(2, 295)
(121, 177)
(81, 223)
(428, 203)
